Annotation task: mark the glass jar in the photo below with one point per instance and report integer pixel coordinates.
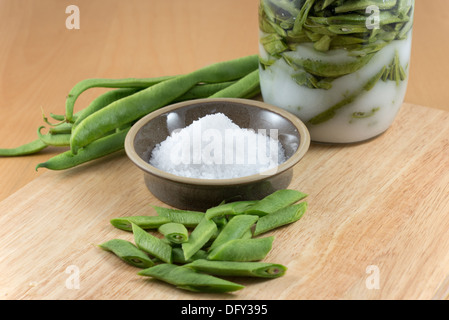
(341, 66)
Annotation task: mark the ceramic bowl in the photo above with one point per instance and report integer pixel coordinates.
(201, 194)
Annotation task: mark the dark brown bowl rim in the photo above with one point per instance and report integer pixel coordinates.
(288, 164)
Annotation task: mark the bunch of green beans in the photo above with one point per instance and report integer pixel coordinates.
(192, 250)
(100, 128)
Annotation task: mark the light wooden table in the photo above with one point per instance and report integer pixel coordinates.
(40, 60)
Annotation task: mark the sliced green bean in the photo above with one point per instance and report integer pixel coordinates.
(352, 5)
(280, 218)
(128, 252)
(23, 150)
(326, 69)
(188, 279)
(174, 232)
(57, 140)
(248, 234)
(331, 112)
(199, 237)
(238, 269)
(276, 201)
(302, 16)
(273, 44)
(151, 244)
(152, 98)
(86, 84)
(231, 208)
(245, 250)
(178, 256)
(236, 228)
(145, 222)
(97, 149)
(188, 218)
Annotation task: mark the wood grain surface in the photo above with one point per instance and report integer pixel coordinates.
(384, 203)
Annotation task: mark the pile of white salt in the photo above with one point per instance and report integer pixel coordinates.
(214, 147)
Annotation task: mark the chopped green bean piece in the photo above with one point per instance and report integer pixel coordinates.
(238, 269)
(275, 201)
(199, 237)
(178, 256)
(242, 250)
(279, 218)
(188, 279)
(145, 222)
(236, 228)
(326, 69)
(151, 244)
(26, 149)
(128, 252)
(231, 208)
(355, 5)
(185, 217)
(331, 112)
(174, 232)
(302, 16)
(323, 44)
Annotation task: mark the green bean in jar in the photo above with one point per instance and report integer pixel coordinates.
(341, 66)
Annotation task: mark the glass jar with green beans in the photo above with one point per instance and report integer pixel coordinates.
(341, 66)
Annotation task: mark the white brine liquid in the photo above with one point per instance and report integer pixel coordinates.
(379, 105)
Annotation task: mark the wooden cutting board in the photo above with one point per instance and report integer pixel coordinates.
(376, 228)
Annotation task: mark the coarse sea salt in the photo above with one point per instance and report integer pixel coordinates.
(214, 147)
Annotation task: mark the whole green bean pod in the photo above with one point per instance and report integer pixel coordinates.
(23, 150)
(128, 252)
(238, 269)
(151, 244)
(275, 201)
(188, 279)
(143, 102)
(57, 140)
(86, 84)
(145, 222)
(188, 218)
(280, 218)
(97, 149)
(199, 237)
(236, 228)
(242, 88)
(102, 101)
(174, 232)
(64, 127)
(203, 90)
(242, 250)
(57, 117)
